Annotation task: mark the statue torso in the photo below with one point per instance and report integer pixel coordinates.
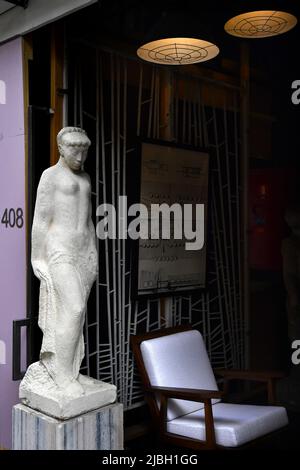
(69, 231)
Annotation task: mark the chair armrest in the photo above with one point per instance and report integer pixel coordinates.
(257, 376)
(188, 394)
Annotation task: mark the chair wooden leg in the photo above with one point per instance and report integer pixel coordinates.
(226, 387)
(209, 425)
(163, 414)
(271, 392)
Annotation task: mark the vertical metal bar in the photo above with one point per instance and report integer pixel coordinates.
(175, 319)
(184, 117)
(238, 224)
(167, 133)
(231, 243)
(104, 188)
(66, 78)
(189, 106)
(148, 316)
(79, 110)
(80, 98)
(245, 113)
(178, 301)
(97, 205)
(118, 266)
(201, 123)
(204, 119)
(75, 95)
(151, 103)
(176, 124)
(140, 97)
(29, 287)
(30, 172)
(113, 192)
(156, 107)
(125, 296)
(209, 336)
(134, 323)
(204, 319)
(87, 344)
(159, 316)
(214, 228)
(196, 136)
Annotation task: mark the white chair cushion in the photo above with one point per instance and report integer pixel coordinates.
(234, 424)
(179, 360)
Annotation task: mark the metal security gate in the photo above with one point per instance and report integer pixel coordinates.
(115, 99)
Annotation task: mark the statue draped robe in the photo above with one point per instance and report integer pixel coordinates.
(50, 305)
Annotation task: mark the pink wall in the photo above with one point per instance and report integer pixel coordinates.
(12, 239)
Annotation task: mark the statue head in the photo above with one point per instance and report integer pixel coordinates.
(292, 217)
(73, 144)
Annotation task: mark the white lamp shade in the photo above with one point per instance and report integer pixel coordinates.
(260, 24)
(178, 51)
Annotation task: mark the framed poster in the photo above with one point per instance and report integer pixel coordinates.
(174, 190)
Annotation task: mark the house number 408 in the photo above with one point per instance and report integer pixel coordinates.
(13, 218)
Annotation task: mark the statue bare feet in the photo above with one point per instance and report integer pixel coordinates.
(88, 382)
(73, 388)
(85, 380)
(69, 386)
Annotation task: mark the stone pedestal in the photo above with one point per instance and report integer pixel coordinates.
(38, 391)
(101, 429)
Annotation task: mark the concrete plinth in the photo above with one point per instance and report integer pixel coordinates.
(100, 429)
(39, 391)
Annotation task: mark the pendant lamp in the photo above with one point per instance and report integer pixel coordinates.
(177, 39)
(260, 24)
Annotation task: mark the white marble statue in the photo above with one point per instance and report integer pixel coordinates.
(64, 258)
